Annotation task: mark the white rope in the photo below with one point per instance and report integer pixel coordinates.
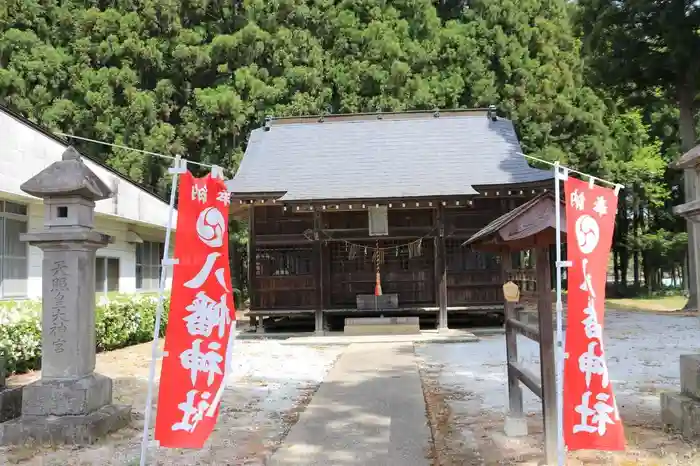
(156, 154)
(617, 186)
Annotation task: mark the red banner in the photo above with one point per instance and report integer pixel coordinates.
(591, 418)
(201, 322)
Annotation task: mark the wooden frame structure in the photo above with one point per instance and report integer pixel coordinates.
(531, 226)
(302, 260)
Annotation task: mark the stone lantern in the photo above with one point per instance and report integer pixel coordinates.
(70, 403)
(682, 410)
(691, 209)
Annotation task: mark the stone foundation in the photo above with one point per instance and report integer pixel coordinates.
(67, 397)
(10, 398)
(515, 426)
(10, 403)
(681, 411)
(72, 430)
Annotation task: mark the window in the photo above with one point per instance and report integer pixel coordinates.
(106, 274)
(13, 252)
(148, 265)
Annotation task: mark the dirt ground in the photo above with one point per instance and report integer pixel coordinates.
(466, 394)
(256, 411)
(479, 440)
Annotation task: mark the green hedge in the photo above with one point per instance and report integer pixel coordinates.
(120, 321)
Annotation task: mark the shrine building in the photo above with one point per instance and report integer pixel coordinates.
(339, 206)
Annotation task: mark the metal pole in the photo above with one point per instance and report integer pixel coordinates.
(561, 448)
(178, 167)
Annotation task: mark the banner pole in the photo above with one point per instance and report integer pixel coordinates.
(179, 166)
(561, 448)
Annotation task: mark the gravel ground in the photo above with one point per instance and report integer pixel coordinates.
(466, 384)
(269, 385)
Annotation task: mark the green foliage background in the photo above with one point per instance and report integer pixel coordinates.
(193, 77)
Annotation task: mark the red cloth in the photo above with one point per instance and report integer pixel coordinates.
(201, 321)
(591, 418)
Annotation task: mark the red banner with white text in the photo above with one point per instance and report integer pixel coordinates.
(201, 321)
(591, 418)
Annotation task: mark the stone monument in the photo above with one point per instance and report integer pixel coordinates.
(10, 397)
(70, 403)
(681, 411)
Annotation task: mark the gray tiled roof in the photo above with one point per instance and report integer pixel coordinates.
(374, 158)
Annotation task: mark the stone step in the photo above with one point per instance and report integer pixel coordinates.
(381, 325)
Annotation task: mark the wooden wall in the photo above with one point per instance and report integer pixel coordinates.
(305, 260)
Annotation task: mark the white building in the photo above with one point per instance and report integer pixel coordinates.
(134, 217)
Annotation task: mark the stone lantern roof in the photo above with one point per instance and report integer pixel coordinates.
(67, 177)
(690, 159)
(691, 209)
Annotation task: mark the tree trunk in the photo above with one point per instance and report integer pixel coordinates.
(673, 277)
(623, 253)
(635, 233)
(624, 249)
(686, 104)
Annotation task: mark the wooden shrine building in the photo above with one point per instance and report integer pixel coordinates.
(334, 201)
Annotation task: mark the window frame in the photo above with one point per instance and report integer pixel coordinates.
(148, 265)
(104, 289)
(22, 217)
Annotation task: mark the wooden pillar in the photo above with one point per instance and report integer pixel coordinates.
(516, 423)
(235, 267)
(515, 393)
(252, 263)
(440, 269)
(317, 264)
(547, 361)
(326, 274)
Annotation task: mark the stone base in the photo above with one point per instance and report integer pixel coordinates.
(72, 430)
(690, 375)
(515, 426)
(381, 326)
(10, 403)
(66, 397)
(681, 413)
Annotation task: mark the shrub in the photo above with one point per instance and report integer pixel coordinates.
(120, 321)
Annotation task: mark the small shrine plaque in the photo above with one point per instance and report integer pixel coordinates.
(511, 292)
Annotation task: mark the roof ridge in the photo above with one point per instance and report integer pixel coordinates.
(374, 116)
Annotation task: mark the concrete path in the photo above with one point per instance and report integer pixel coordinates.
(369, 411)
